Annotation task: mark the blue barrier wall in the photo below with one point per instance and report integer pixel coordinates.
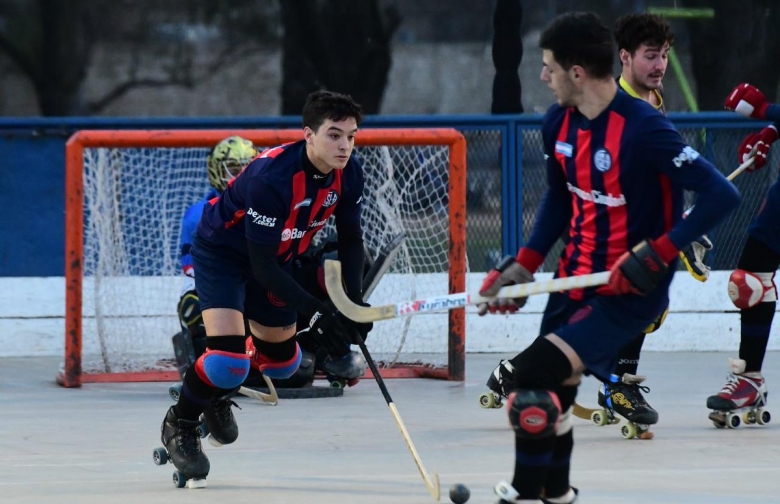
(32, 154)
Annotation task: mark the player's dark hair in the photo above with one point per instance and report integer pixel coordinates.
(633, 30)
(323, 105)
(580, 38)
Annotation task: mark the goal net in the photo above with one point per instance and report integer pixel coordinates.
(128, 190)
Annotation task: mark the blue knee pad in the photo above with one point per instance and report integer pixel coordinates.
(220, 369)
(534, 413)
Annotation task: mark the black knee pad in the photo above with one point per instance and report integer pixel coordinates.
(534, 414)
(757, 257)
(541, 366)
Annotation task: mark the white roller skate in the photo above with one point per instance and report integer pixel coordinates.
(742, 399)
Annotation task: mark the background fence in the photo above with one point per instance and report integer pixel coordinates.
(506, 179)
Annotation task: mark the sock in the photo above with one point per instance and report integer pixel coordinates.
(196, 394)
(628, 358)
(532, 460)
(557, 482)
(277, 352)
(755, 324)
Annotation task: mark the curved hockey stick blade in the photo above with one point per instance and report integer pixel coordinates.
(359, 313)
(271, 398)
(582, 411)
(381, 264)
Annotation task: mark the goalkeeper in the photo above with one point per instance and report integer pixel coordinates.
(224, 162)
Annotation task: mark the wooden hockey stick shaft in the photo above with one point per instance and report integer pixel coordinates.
(359, 313)
(432, 484)
(731, 176)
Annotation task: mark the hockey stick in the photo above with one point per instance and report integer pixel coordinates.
(583, 412)
(359, 313)
(271, 397)
(432, 484)
(381, 264)
(731, 176)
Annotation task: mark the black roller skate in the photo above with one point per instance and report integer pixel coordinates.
(623, 396)
(500, 382)
(220, 421)
(342, 372)
(181, 445)
(742, 399)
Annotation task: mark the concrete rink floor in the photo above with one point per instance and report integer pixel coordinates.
(94, 444)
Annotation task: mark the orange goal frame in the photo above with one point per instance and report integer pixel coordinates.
(71, 375)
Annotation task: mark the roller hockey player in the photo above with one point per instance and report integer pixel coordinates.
(751, 286)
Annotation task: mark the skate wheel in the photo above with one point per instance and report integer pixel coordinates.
(749, 417)
(179, 480)
(628, 431)
(763, 417)
(203, 429)
(487, 400)
(336, 384)
(160, 456)
(599, 418)
(733, 421)
(213, 442)
(175, 391)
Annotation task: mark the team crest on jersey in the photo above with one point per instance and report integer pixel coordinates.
(330, 199)
(602, 160)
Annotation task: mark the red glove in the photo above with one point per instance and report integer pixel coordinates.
(757, 145)
(642, 268)
(748, 101)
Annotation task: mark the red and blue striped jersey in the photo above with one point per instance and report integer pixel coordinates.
(274, 202)
(619, 179)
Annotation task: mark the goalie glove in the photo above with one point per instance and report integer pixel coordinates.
(508, 272)
(693, 258)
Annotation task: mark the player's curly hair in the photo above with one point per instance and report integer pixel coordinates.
(633, 30)
(323, 105)
(227, 159)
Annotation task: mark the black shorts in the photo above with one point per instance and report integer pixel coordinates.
(596, 328)
(223, 279)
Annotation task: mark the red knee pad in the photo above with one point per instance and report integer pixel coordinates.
(746, 289)
(534, 413)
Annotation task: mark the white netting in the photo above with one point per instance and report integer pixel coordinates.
(133, 203)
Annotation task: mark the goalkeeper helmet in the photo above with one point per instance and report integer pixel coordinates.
(227, 159)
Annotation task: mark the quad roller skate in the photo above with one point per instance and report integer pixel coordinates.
(181, 446)
(219, 421)
(742, 399)
(174, 391)
(343, 372)
(622, 397)
(500, 382)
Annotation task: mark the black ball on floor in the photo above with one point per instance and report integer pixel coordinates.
(459, 493)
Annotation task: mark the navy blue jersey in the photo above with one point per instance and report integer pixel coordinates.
(617, 180)
(273, 202)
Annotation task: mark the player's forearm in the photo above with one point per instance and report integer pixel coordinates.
(352, 256)
(713, 204)
(773, 113)
(273, 278)
(552, 218)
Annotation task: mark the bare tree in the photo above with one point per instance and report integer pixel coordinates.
(340, 45)
(53, 42)
(741, 43)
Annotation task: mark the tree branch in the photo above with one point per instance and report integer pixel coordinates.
(127, 86)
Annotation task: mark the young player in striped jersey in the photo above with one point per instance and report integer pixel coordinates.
(242, 252)
(751, 286)
(617, 171)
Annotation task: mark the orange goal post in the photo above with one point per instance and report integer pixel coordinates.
(126, 193)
